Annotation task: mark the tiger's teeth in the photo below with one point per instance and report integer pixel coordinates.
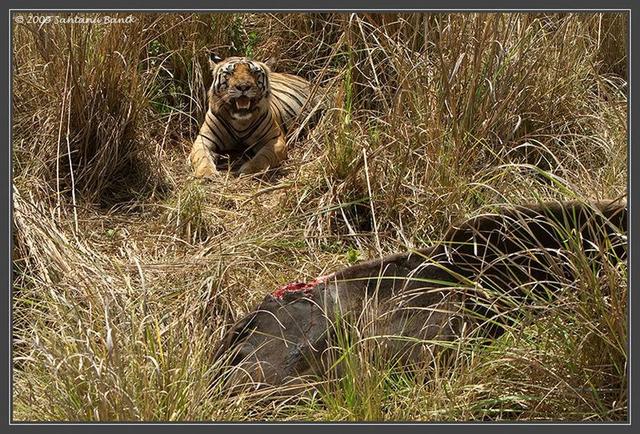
(243, 103)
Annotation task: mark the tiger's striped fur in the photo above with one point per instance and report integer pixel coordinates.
(250, 112)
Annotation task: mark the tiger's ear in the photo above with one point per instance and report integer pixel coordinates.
(271, 62)
(214, 59)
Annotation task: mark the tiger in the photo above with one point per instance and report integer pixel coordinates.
(250, 112)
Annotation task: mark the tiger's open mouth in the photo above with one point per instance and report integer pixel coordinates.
(243, 103)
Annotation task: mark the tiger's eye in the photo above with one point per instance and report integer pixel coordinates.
(254, 68)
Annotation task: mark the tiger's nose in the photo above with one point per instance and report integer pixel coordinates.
(243, 87)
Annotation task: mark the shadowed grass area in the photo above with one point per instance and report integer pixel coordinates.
(127, 272)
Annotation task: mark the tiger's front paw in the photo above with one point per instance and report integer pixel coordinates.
(250, 168)
(205, 171)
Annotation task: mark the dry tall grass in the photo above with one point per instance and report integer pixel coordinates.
(126, 271)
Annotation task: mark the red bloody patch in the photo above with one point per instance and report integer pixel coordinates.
(299, 287)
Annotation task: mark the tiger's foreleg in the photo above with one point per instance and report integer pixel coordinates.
(201, 158)
(269, 156)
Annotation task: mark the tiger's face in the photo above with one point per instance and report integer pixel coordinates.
(240, 86)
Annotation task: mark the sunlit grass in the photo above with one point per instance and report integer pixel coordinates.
(127, 272)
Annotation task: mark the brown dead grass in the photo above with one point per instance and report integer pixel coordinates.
(126, 270)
